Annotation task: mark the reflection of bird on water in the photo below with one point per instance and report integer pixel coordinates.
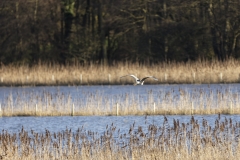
(138, 81)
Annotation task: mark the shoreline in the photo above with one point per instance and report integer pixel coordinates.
(199, 72)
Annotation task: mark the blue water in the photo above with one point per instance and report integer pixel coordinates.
(115, 90)
(99, 123)
(117, 93)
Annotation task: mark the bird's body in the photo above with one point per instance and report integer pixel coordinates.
(138, 81)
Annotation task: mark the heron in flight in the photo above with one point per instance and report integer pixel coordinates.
(138, 81)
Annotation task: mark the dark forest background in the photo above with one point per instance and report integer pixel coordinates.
(107, 31)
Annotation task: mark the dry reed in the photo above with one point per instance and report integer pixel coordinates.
(164, 102)
(192, 140)
(76, 74)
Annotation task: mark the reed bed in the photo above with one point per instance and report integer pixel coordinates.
(93, 74)
(192, 140)
(164, 102)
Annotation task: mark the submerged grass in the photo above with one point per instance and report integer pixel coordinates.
(76, 74)
(164, 102)
(192, 140)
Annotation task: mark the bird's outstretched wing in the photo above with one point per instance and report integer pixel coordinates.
(131, 76)
(149, 77)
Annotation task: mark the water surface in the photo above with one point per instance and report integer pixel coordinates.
(99, 123)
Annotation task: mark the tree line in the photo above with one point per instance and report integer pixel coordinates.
(106, 31)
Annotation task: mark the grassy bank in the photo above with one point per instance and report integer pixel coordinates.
(191, 72)
(164, 102)
(193, 140)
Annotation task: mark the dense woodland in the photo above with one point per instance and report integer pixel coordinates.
(107, 31)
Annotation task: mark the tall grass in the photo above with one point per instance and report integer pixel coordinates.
(165, 102)
(77, 74)
(192, 140)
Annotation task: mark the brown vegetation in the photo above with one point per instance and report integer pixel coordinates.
(193, 140)
(164, 102)
(92, 74)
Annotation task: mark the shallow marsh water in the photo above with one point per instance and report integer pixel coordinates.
(98, 123)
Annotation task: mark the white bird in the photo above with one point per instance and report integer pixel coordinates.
(138, 81)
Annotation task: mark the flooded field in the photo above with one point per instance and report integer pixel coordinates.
(120, 100)
(95, 106)
(120, 122)
(120, 137)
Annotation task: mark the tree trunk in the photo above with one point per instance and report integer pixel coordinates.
(103, 39)
(68, 22)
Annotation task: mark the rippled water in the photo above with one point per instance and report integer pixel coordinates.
(116, 90)
(99, 123)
